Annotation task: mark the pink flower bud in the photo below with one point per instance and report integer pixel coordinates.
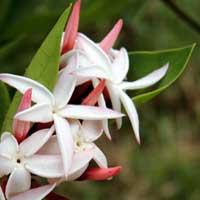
(71, 28)
(99, 174)
(21, 128)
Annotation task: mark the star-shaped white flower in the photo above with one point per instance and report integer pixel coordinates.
(54, 107)
(33, 194)
(20, 160)
(84, 136)
(113, 67)
(85, 149)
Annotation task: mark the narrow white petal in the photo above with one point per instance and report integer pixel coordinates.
(132, 113)
(147, 80)
(92, 130)
(75, 126)
(81, 159)
(88, 112)
(1, 194)
(34, 142)
(100, 158)
(90, 72)
(47, 166)
(19, 181)
(115, 100)
(120, 65)
(102, 104)
(64, 88)
(78, 173)
(37, 113)
(6, 166)
(8, 146)
(65, 141)
(95, 54)
(40, 94)
(34, 194)
(51, 147)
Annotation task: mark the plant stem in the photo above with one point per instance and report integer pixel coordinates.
(183, 16)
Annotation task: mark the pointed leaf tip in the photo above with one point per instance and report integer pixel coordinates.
(107, 43)
(71, 28)
(21, 128)
(99, 174)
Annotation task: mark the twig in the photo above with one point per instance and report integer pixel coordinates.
(183, 16)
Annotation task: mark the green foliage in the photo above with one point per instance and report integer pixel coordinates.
(44, 66)
(4, 102)
(143, 63)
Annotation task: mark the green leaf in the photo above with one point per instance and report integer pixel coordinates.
(44, 66)
(143, 63)
(4, 101)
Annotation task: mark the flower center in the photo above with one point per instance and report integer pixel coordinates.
(18, 160)
(80, 144)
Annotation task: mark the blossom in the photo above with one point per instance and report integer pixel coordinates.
(113, 67)
(33, 194)
(20, 160)
(84, 136)
(54, 107)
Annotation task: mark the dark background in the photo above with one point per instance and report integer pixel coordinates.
(167, 164)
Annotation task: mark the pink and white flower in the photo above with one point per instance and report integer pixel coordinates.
(54, 107)
(20, 160)
(113, 67)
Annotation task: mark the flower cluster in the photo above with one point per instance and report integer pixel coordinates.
(54, 133)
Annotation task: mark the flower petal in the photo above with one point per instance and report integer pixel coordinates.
(95, 54)
(34, 194)
(102, 104)
(71, 28)
(132, 113)
(88, 112)
(51, 147)
(1, 194)
(47, 166)
(40, 94)
(115, 100)
(34, 142)
(90, 72)
(99, 174)
(100, 158)
(107, 43)
(65, 141)
(81, 159)
(120, 65)
(92, 130)
(146, 81)
(8, 146)
(37, 113)
(78, 173)
(19, 181)
(6, 166)
(21, 128)
(64, 88)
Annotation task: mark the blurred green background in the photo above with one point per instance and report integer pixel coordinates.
(167, 164)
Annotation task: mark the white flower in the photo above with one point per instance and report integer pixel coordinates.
(113, 67)
(54, 107)
(33, 194)
(20, 160)
(85, 149)
(84, 136)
